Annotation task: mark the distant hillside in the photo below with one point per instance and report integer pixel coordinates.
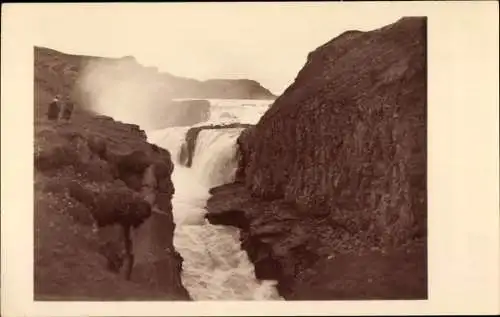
(50, 64)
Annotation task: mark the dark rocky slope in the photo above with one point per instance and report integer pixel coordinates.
(93, 178)
(331, 189)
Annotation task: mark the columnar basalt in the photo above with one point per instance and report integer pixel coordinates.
(331, 187)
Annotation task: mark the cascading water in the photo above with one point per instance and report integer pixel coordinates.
(214, 156)
(214, 267)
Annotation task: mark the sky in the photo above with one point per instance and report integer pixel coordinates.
(266, 42)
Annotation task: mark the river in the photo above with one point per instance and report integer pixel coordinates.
(214, 267)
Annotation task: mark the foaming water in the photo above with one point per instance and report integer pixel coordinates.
(232, 111)
(214, 157)
(214, 267)
(169, 138)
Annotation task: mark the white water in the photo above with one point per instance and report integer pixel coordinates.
(214, 267)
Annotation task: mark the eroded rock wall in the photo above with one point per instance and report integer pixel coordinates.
(337, 168)
(103, 180)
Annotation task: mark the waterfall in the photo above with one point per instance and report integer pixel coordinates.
(214, 267)
(214, 156)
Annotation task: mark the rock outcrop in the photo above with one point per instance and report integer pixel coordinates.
(331, 189)
(103, 214)
(188, 147)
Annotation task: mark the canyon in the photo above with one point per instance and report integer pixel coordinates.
(104, 218)
(318, 194)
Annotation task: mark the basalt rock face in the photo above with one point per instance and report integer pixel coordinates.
(331, 188)
(94, 177)
(188, 147)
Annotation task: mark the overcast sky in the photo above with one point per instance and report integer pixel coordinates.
(267, 42)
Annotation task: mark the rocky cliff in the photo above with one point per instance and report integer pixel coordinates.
(103, 212)
(331, 189)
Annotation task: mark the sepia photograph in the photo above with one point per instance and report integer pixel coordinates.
(203, 152)
(150, 185)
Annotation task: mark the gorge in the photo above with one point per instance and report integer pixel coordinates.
(319, 194)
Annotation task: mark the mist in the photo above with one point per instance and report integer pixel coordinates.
(125, 91)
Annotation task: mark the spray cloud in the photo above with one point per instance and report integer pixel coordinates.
(125, 90)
